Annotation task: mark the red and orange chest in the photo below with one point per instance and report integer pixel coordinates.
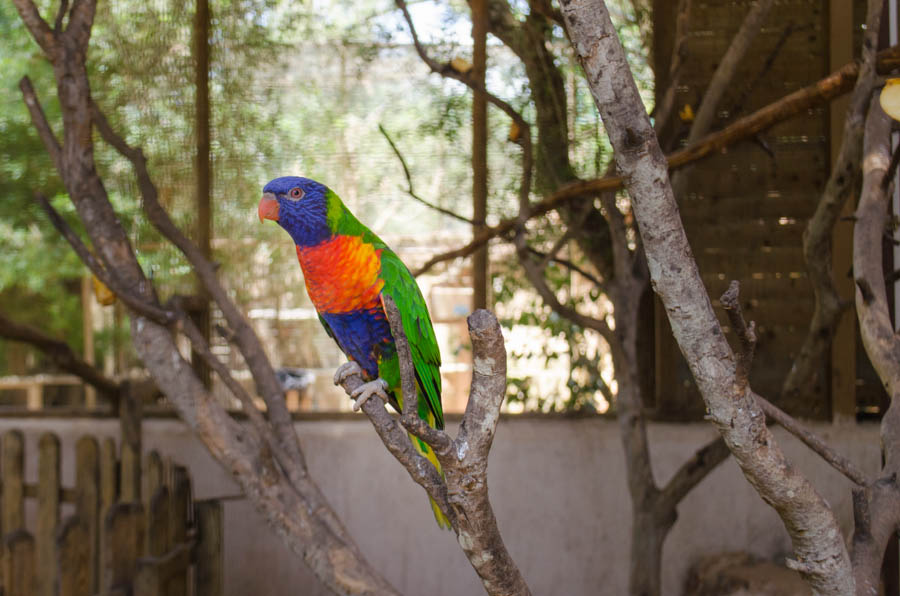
(342, 274)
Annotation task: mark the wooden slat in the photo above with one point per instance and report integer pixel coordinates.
(154, 574)
(48, 513)
(18, 564)
(749, 232)
(129, 474)
(180, 509)
(13, 512)
(108, 473)
(73, 559)
(158, 519)
(123, 544)
(209, 552)
(130, 431)
(152, 477)
(87, 505)
(702, 209)
(739, 262)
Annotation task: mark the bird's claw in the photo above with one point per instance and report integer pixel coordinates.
(345, 370)
(366, 390)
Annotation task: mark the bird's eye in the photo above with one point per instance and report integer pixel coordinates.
(296, 193)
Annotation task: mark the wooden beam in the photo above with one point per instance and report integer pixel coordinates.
(843, 347)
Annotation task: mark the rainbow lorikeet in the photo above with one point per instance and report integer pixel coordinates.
(348, 269)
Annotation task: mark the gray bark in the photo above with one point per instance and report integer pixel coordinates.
(822, 557)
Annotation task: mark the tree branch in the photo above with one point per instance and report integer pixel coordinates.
(244, 337)
(814, 442)
(38, 27)
(817, 237)
(746, 333)
(409, 182)
(832, 86)
(727, 68)
(810, 522)
(60, 352)
(462, 494)
(136, 304)
(39, 121)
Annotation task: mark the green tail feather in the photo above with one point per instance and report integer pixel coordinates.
(428, 454)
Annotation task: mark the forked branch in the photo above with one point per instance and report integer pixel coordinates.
(462, 493)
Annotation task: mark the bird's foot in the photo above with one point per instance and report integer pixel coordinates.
(345, 370)
(366, 390)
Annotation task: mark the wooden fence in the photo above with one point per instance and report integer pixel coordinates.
(130, 527)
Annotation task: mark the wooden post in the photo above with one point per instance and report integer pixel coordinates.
(87, 508)
(202, 171)
(108, 474)
(130, 431)
(152, 475)
(87, 314)
(48, 513)
(158, 520)
(18, 564)
(74, 565)
(210, 547)
(179, 517)
(13, 490)
(34, 396)
(843, 346)
(479, 152)
(123, 542)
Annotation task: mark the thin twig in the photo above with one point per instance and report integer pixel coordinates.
(436, 439)
(549, 257)
(813, 441)
(39, 120)
(60, 352)
(826, 89)
(138, 305)
(245, 338)
(409, 182)
(746, 333)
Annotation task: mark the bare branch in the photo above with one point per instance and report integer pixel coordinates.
(398, 443)
(438, 440)
(725, 71)
(814, 442)
(245, 339)
(817, 237)
(664, 109)
(39, 120)
(38, 27)
(694, 470)
(550, 257)
(409, 182)
(536, 277)
(60, 352)
(810, 522)
(60, 15)
(138, 305)
(832, 86)
(876, 329)
(746, 333)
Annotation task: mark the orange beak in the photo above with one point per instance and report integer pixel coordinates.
(268, 207)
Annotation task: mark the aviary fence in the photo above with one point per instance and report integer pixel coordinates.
(127, 527)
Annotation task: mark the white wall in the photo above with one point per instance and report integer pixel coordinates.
(557, 487)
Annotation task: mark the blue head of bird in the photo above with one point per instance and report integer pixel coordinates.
(300, 206)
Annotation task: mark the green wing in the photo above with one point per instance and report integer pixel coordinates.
(400, 285)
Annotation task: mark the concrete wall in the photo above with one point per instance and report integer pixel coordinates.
(557, 487)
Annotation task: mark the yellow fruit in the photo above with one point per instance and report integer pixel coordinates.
(687, 113)
(460, 65)
(514, 131)
(890, 98)
(104, 295)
